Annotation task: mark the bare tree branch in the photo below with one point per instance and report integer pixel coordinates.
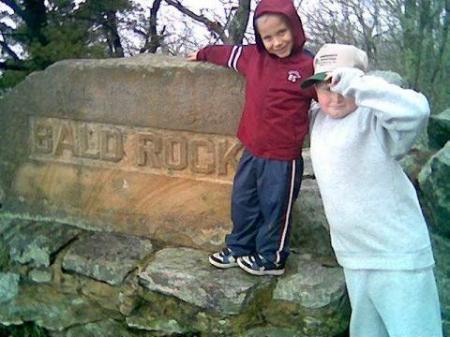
(152, 38)
(9, 51)
(212, 26)
(14, 6)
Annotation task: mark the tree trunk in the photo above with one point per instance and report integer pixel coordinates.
(239, 22)
(116, 49)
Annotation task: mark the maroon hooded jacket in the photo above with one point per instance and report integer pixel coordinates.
(275, 117)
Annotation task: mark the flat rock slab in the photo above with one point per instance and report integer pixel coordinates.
(310, 284)
(105, 328)
(49, 308)
(186, 274)
(9, 286)
(145, 322)
(35, 243)
(107, 257)
(273, 332)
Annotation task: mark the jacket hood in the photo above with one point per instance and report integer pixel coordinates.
(286, 8)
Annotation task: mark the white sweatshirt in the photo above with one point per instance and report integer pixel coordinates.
(372, 207)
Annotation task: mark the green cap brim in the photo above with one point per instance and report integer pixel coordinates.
(319, 77)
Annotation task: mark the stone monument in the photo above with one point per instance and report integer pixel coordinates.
(143, 146)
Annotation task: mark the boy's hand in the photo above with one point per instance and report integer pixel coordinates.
(342, 77)
(192, 57)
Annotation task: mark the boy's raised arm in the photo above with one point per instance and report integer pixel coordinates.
(400, 114)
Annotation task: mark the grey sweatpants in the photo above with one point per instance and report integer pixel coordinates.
(393, 303)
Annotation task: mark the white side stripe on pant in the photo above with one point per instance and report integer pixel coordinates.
(288, 213)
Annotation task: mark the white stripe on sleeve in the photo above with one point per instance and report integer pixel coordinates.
(236, 59)
(232, 55)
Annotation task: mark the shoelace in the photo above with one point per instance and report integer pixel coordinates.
(224, 252)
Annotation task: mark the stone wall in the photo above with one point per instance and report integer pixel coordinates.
(78, 283)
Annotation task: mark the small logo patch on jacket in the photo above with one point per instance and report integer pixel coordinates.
(293, 76)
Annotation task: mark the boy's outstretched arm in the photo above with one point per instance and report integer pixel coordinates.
(192, 57)
(232, 56)
(399, 114)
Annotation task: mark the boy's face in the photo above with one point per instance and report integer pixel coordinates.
(275, 34)
(333, 104)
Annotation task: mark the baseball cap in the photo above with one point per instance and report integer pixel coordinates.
(332, 56)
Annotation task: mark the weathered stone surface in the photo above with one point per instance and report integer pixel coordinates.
(35, 243)
(273, 332)
(4, 256)
(154, 90)
(9, 286)
(49, 308)
(308, 172)
(179, 294)
(107, 257)
(2, 197)
(9, 223)
(106, 328)
(5, 223)
(439, 129)
(106, 295)
(413, 162)
(441, 250)
(41, 275)
(145, 320)
(435, 188)
(141, 145)
(310, 232)
(4, 247)
(310, 299)
(156, 310)
(186, 274)
(311, 285)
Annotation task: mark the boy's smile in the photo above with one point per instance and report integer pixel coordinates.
(275, 34)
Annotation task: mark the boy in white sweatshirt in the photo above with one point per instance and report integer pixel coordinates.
(360, 127)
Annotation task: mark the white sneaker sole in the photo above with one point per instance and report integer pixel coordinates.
(275, 272)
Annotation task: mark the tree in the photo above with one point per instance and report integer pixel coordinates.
(36, 33)
(101, 16)
(426, 46)
(409, 37)
(231, 29)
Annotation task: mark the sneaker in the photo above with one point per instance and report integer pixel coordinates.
(256, 265)
(223, 259)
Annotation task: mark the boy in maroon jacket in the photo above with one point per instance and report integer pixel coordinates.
(272, 128)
